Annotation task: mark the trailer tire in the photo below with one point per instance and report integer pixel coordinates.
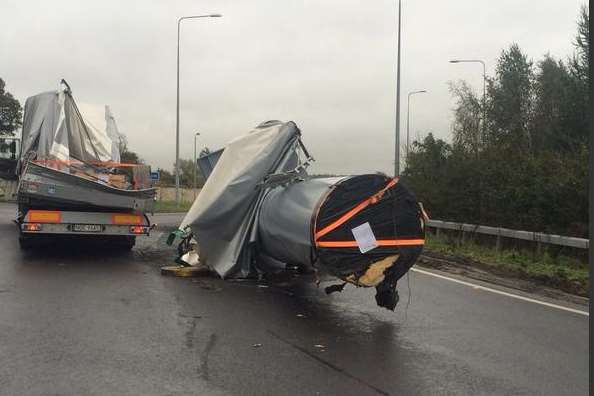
(26, 242)
(126, 243)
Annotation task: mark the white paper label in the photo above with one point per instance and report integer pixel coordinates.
(364, 237)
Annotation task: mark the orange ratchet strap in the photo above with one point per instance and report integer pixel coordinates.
(381, 242)
(108, 164)
(345, 217)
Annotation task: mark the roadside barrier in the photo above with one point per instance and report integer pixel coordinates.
(498, 232)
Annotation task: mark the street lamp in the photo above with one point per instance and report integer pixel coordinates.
(484, 85)
(480, 136)
(408, 118)
(177, 103)
(397, 143)
(195, 162)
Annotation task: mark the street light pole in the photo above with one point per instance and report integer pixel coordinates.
(177, 200)
(481, 135)
(484, 88)
(397, 143)
(195, 162)
(408, 119)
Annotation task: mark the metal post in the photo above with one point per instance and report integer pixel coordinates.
(177, 124)
(481, 134)
(408, 120)
(195, 163)
(407, 126)
(177, 200)
(397, 143)
(484, 102)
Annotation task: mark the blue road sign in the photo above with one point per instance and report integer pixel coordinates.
(155, 176)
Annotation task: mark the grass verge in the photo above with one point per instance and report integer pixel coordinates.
(566, 273)
(171, 206)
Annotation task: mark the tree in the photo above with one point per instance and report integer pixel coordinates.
(467, 117)
(550, 129)
(531, 169)
(186, 179)
(509, 102)
(11, 112)
(130, 157)
(424, 172)
(167, 178)
(127, 156)
(581, 59)
(579, 83)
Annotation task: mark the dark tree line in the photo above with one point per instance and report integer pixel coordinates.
(524, 163)
(11, 113)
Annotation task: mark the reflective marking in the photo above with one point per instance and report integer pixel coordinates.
(128, 219)
(44, 216)
(475, 286)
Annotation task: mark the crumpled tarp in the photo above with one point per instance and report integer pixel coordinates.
(111, 129)
(53, 129)
(223, 217)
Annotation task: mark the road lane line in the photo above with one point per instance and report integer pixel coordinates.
(474, 285)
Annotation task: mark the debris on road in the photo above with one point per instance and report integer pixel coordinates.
(259, 212)
(184, 272)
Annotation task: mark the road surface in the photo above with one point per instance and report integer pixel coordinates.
(84, 321)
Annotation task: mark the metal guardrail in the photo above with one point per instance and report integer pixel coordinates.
(580, 243)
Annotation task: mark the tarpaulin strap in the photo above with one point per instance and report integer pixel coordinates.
(380, 242)
(345, 217)
(108, 164)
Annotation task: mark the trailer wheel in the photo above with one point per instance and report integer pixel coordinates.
(127, 242)
(25, 242)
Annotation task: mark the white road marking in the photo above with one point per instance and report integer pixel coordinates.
(475, 286)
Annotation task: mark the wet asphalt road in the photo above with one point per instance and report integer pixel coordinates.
(86, 322)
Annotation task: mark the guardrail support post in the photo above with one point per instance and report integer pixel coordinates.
(498, 244)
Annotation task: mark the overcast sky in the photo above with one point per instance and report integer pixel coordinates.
(327, 65)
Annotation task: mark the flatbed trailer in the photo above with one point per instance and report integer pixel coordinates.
(120, 228)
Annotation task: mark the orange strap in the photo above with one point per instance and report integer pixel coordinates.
(381, 242)
(108, 164)
(345, 217)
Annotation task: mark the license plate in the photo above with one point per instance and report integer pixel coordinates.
(87, 227)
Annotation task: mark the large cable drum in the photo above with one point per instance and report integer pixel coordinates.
(313, 223)
(260, 211)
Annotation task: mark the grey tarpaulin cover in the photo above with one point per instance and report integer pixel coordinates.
(260, 211)
(53, 128)
(223, 217)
